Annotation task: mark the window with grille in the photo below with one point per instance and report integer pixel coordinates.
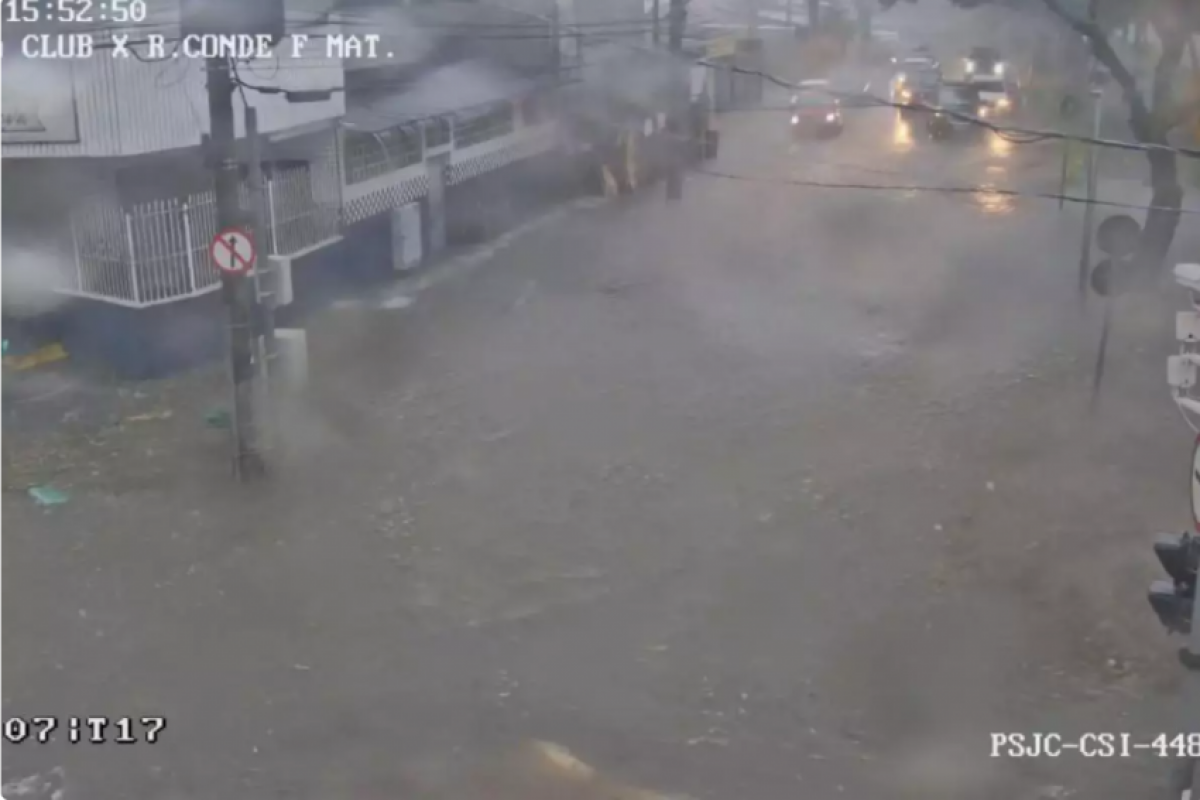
(369, 155)
(490, 124)
(437, 133)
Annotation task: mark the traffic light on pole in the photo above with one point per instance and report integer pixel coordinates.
(1172, 599)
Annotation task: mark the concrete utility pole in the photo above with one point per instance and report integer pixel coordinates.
(752, 21)
(236, 291)
(657, 11)
(264, 279)
(680, 95)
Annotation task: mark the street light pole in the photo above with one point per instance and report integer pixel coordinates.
(680, 94)
(1089, 209)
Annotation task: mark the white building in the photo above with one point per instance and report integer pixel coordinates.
(108, 193)
(106, 153)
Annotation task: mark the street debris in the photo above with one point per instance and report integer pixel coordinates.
(48, 496)
(43, 355)
(396, 302)
(526, 293)
(716, 741)
(150, 415)
(218, 418)
(43, 786)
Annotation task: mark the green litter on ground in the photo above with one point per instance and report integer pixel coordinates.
(218, 418)
(47, 496)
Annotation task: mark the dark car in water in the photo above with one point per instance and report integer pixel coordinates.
(958, 104)
(815, 112)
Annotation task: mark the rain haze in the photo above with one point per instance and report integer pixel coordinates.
(598, 399)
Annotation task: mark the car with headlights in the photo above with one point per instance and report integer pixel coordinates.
(815, 112)
(997, 98)
(984, 63)
(958, 105)
(917, 82)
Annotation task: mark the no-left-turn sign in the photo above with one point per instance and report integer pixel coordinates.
(232, 251)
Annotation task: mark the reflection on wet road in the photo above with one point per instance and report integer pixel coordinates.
(879, 147)
(902, 135)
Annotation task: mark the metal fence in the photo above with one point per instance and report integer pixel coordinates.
(158, 251)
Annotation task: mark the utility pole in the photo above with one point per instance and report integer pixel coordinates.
(1089, 210)
(788, 13)
(236, 291)
(264, 278)
(680, 95)
(752, 27)
(657, 23)
(556, 44)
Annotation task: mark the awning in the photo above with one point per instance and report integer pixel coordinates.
(456, 90)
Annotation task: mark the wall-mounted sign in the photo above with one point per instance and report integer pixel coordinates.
(38, 102)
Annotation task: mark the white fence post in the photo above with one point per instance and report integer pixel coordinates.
(187, 246)
(137, 295)
(271, 214)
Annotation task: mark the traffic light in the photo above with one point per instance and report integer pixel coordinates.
(1172, 600)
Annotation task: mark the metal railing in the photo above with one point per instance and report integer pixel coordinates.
(157, 252)
(369, 155)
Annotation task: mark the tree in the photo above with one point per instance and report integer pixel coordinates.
(1151, 119)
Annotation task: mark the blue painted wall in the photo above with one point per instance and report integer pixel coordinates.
(143, 343)
(360, 262)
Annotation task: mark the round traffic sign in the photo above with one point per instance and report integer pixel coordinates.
(1195, 478)
(1102, 278)
(232, 251)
